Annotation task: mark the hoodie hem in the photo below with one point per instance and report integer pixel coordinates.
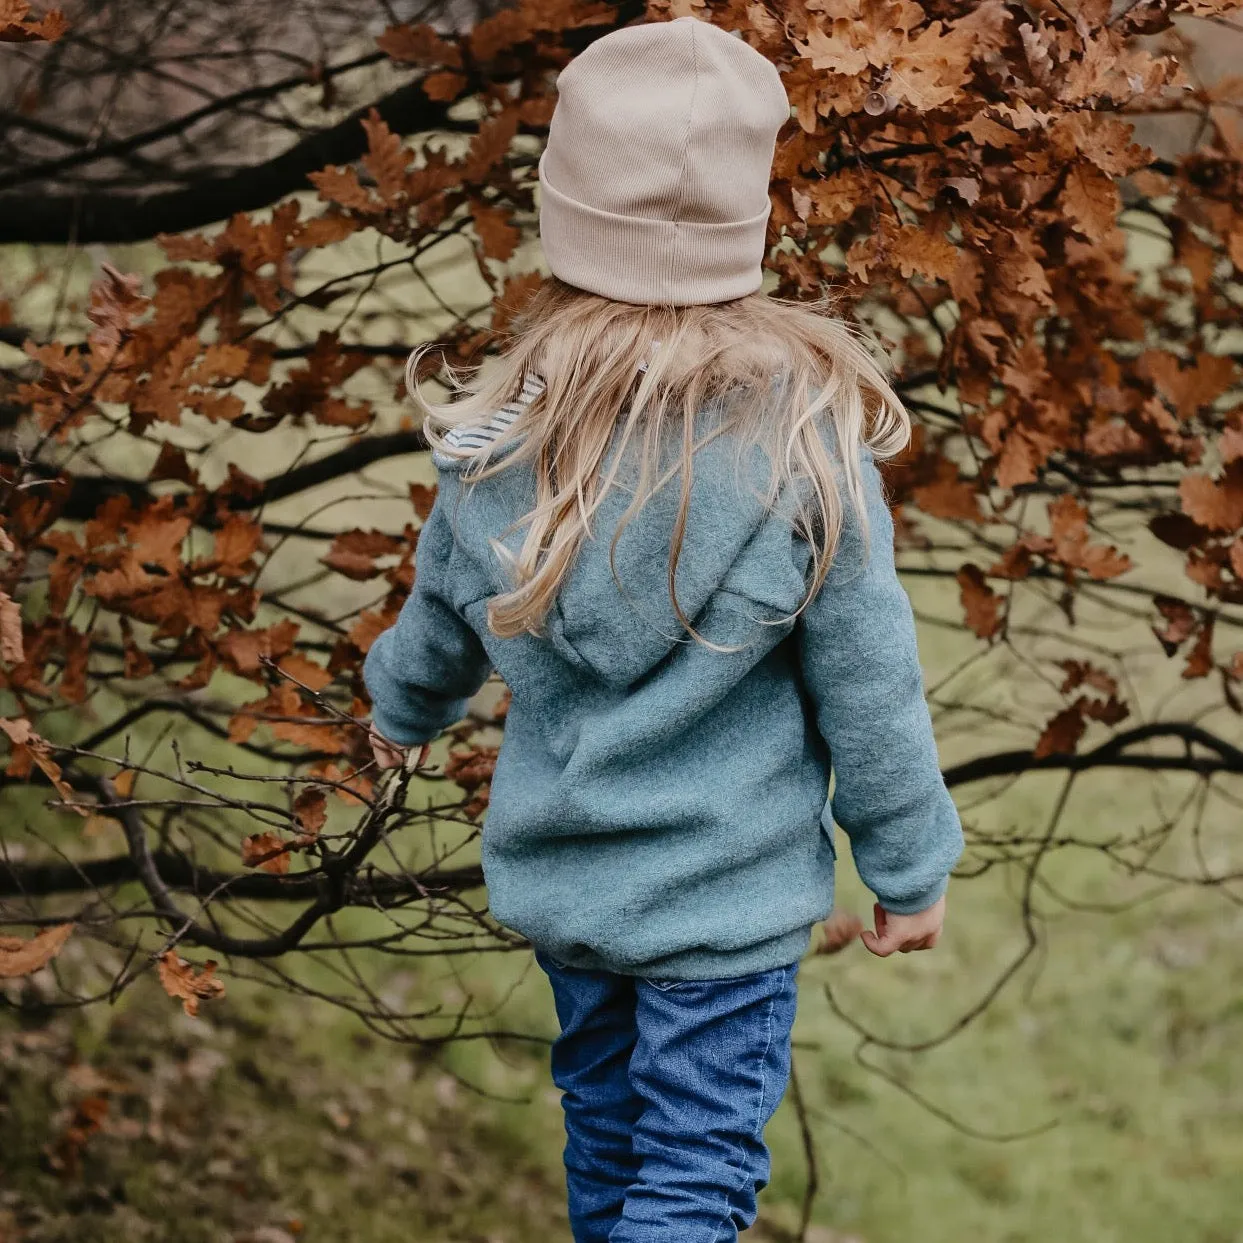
(701, 963)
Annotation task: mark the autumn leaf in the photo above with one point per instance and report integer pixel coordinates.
(498, 237)
(515, 293)
(221, 362)
(354, 553)
(31, 749)
(967, 189)
(19, 957)
(1199, 662)
(443, 87)
(16, 26)
(947, 494)
(499, 32)
(1062, 734)
(188, 983)
(915, 251)
(236, 543)
(116, 303)
(1215, 504)
(12, 650)
(157, 535)
(244, 650)
(1230, 446)
(310, 809)
(982, 606)
(422, 498)
(1083, 673)
(929, 70)
(1091, 201)
(1180, 623)
(323, 230)
(341, 186)
(491, 143)
(1191, 384)
(305, 671)
(368, 628)
(471, 768)
(267, 851)
(418, 45)
(1070, 543)
(386, 159)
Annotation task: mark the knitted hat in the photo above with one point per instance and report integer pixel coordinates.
(654, 183)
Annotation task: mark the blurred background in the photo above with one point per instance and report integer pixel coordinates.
(250, 991)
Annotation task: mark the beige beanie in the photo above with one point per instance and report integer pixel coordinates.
(654, 184)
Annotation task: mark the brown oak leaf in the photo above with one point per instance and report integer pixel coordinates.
(1215, 503)
(188, 983)
(19, 957)
(1062, 734)
(982, 606)
(12, 649)
(310, 809)
(267, 851)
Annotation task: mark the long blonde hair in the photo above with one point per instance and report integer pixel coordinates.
(780, 374)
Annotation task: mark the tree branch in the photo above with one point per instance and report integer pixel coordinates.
(373, 889)
(88, 492)
(38, 218)
(1226, 757)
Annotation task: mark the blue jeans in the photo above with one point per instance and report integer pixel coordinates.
(667, 1086)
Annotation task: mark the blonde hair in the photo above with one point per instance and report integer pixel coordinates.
(779, 374)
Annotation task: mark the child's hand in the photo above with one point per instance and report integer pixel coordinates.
(387, 754)
(920, 931)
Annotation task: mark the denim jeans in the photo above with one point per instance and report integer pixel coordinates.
(667, 1086)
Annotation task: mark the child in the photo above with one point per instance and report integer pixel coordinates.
(659, 519)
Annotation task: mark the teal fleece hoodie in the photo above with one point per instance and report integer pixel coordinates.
(660, 808)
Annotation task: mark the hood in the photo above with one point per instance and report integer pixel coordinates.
(617, 619)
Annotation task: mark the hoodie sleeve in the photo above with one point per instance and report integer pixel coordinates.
(861, 668)
(421, 671)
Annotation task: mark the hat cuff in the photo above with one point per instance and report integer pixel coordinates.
(635, 259)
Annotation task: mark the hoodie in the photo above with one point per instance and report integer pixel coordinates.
(660, 806)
